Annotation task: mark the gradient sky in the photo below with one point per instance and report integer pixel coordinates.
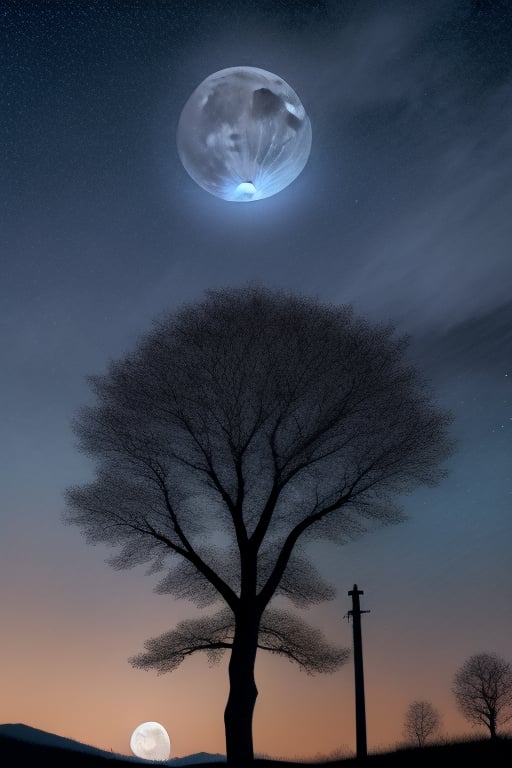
(403, 211)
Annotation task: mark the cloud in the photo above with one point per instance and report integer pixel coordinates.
(422, 136)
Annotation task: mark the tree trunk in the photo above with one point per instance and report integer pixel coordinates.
(241, 701)
(492, 726)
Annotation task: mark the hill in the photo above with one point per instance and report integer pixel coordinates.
(22, 744)
(30, 747)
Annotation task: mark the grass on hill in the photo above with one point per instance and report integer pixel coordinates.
(484, 753)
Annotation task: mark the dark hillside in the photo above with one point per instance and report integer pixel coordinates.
(15, 753)
(481, 753)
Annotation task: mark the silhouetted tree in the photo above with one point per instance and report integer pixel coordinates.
(483, 691)
(421, 721)
(240, 428)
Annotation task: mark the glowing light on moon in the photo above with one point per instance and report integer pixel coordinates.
(151, 741)
(243, 134)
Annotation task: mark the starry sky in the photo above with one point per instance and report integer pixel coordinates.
(402, 211)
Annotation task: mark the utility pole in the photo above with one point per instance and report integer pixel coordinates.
(355, 613)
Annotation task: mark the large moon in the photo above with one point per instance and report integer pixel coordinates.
(151, 741)
(243, 134)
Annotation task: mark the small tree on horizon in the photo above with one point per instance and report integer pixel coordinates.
(421, 721)
(239, 429)
(483, 691)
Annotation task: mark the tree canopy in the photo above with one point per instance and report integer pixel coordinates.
(482, 687)
(421, 721)
(237, 430)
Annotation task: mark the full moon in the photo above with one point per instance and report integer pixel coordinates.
(151, 741)
(243, 134)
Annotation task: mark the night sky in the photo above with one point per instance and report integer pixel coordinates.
(403, 211)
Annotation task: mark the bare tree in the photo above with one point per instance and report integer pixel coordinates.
(239, 429)
(483, 690)
(421, 721)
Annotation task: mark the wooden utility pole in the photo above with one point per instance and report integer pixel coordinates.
(355, 613)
